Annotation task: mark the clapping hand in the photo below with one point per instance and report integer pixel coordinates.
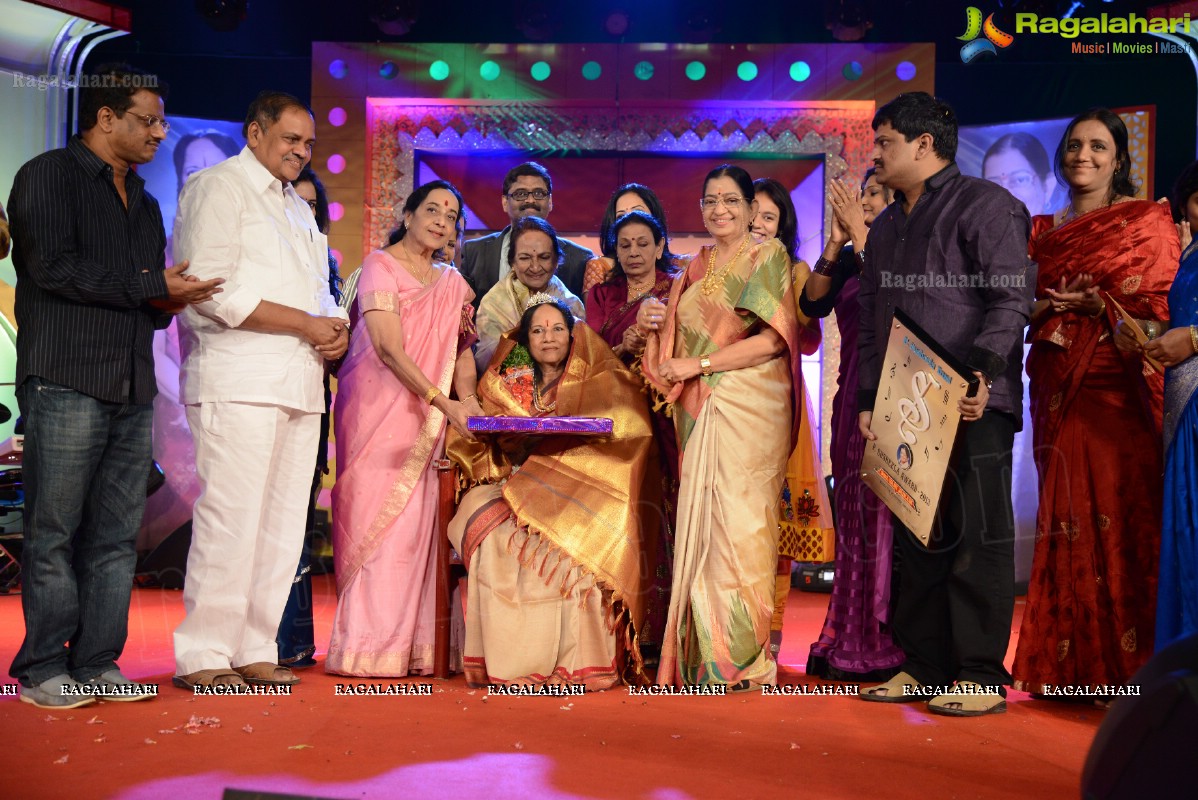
(848, 217)
(1079, 295)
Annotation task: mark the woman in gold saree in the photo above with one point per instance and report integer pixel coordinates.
(551, 529)
(724, 352)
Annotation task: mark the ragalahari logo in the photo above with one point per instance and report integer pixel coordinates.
(974, 27)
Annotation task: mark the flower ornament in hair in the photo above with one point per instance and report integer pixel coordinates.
(538, 299)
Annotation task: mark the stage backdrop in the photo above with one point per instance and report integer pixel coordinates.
(386, 113)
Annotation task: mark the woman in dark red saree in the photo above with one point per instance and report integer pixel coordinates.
(1096, 417)
(642, 269)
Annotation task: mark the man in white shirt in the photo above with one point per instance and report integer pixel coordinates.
(253, 362)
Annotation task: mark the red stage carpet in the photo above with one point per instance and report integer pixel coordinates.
(458, 743)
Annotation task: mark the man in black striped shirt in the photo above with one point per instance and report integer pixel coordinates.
(91, 289)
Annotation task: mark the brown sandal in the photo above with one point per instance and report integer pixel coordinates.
(902, 688)
(208, 677)
(266, 673)
(968, 699)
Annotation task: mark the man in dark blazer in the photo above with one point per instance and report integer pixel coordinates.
(527, 192)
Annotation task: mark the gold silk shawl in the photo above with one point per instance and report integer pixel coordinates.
(596, 500)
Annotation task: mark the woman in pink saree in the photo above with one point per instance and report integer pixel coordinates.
(392, 406)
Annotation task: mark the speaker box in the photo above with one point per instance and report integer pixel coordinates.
(1144, 746)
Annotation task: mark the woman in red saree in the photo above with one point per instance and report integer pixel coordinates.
(1096, 416)
(642, 269)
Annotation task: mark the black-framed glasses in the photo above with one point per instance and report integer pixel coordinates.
(520, 195)
(149, 120)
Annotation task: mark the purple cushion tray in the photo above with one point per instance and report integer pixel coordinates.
(578, 426)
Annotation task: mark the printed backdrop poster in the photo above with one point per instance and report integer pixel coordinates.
(915, 419)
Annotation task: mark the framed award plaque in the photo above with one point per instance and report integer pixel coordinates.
(916, 420)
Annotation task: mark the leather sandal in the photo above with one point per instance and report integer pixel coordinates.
(266, 673)
(902, 688)
(968, 699)
(208, 677)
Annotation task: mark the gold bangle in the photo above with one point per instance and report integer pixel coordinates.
(431, 394)
(1194, 337)
(1101, 309)
(705, 366)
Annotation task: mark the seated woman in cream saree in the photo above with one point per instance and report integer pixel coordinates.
(553, 528)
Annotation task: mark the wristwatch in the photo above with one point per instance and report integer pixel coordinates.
(705, 366)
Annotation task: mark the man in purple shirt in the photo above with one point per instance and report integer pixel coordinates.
(951, 251)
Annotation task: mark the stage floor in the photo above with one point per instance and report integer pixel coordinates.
(457, 742)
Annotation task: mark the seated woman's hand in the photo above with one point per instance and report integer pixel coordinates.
(456, 413)
(473, 407)
(634, 341)
(677, 370)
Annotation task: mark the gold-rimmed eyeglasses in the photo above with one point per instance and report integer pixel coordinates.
(149, 120)
(730, 202)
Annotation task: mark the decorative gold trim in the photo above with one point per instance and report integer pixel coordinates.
(378, 301)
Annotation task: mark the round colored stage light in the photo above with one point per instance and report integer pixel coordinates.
(591, 70)
(617, 23)
(540, 71)
(336, 254)
(852, 71)
(696, 70)
(489, 71)
(746, 70)
(800, 71)
(388, 70)
(336, 163)
(438, 70)
(336, 210)
(643, 70)
(905, 71)
(338, 69)
(337, 116)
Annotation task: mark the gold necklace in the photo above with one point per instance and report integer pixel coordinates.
(536, 400)
(409, 263)
(636, 292)
(712, 280)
